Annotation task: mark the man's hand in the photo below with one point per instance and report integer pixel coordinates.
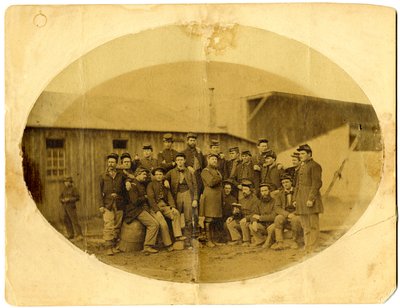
(229, 220)
(201, 221)
(256, 168)
(102, 210)
(243, 220)
(128, 185)
(254, 226)
(290, 216)
(114, 195)
(279, 166)
(191, 169)
(309, 203)
(166, 184)
(173, 164)
(137, 157)
(194, 203)
(240, 186)
(294, 203)
(256, 216)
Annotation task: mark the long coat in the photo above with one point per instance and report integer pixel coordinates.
(211, 199)
(308, 184)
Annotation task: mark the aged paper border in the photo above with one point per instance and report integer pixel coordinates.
(43, 268)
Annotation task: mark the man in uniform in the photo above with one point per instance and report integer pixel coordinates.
(247, 203)
(214, 149)
(232, 163)
(113, 200)
(292, 171)
(307, 197)
(195, 160)
(263, 148)
(138, 208)
(287, 218)
(148, 162)
(245, 170)
(163, 205)
(128, 166)
(228, 199)
(263, 216)
(166, 158)
(210, 202)
(269, 170)
(184, 190)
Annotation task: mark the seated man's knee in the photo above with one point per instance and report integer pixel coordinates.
(279, 220)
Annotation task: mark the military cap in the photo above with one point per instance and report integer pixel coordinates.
(296, 154)
(247, 183)
(153, 172)
(286, 176)
(140, 170)
(180, 155)
(212, 155)
(113, 155)
(68, 179)
(246, 152)
(147, 147)
(261, 140)
(191, 135)
(125, 155)
(234, 149)
(270, 154)
(304, 147)
(270, 186)
(214, 142)
(168, 137)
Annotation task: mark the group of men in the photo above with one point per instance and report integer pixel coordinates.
(243, 200)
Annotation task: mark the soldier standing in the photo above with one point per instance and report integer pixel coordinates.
(148, 162)
(245, 170)
(307, 197)
(214, 149)
(232, 163)
(113, 194)
(195, 160)
(210, 202)
(269, 171)
(166, 157)
(263, 148)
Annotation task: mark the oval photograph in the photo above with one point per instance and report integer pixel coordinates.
(202, 153)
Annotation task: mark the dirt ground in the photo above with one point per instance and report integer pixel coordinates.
(221, 263)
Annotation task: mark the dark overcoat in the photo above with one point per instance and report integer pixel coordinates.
(308, 185)
(211, 199)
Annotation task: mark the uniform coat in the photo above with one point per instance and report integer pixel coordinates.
(108, 186)
(246, 171)
(271, 174)
(211, 200)
(227, 207)
(148, 163)
(283, 207)
(173, 178)
(166, 158)
(308, 184)
(137, 201)
(157, 192)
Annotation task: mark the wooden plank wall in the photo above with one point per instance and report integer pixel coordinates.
(86, 152)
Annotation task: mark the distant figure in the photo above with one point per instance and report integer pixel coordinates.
(307, 197)
(68, 199)
(166, 157)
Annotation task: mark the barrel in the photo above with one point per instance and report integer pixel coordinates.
(132, 236)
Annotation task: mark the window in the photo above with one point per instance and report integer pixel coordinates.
(119, 146)
(55, 165)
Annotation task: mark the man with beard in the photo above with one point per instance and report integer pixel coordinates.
(210, 202)
(287, 218)
(138, 208)
(269, 171)
(184, 191)
(195, 160)
(163, 205)
(263, 217)
(307, 197)
(166, 158)
(113, 200)
(247, 204)
(214, 149)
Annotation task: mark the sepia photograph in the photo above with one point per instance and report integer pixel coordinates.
(197, 152)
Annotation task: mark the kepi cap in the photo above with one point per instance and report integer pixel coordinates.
(168, 137)
(147, 147)
(113, 155)
(191, 135)
(304, 147)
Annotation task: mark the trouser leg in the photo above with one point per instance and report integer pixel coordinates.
(296, 228)
(314, 230)
(174, 216)
(233, 227)
(71, 211)
(152, 227)
(244, 226)
(258, 236)
(118, 215)
(279, 224)
(67, 221)
(109, 227)
(270, 236)
(164, 230)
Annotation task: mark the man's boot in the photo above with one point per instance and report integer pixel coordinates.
(209, 242)
(268, 241)
(279, 240)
